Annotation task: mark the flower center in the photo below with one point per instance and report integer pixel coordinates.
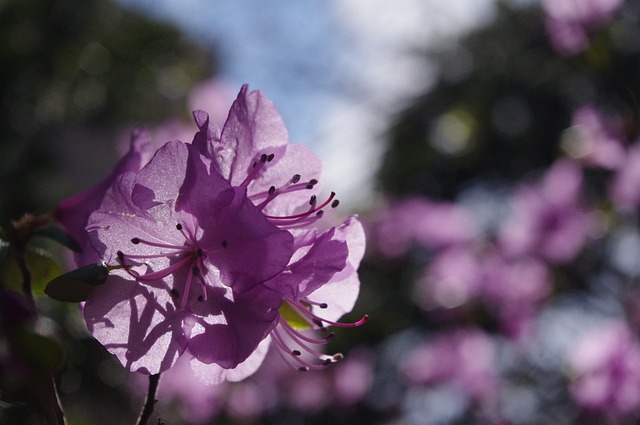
(188, 256)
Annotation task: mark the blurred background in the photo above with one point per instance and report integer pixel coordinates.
(489, 147)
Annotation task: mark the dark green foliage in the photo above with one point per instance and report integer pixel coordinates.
(71, 75)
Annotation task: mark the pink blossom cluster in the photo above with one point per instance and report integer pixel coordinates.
(510, 275)
(218, 248)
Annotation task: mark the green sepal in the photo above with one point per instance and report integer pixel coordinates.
(292, 317)
(58, 235)
(76, 285)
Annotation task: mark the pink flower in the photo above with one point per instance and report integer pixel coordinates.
(605, 364)
(593, 141)
(513, 289)
(548, 219)
(423, 222)
(624, 187)
(213, 238)
(466, 358)
(569, 22)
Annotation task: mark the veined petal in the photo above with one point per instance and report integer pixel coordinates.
(253, 126)
(136, 323)
(230, 337)
(213, 374)
(326, 257)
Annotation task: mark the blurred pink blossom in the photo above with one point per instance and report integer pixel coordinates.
(423, 222)
(548, 219)
(465, 357)
(593, 140)
(625, 187)
(605, 365)
(569, 22)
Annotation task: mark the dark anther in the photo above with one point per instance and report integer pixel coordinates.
(296, 353)
(174, 293)
(327, 362)
(135, 241)
(224, 243)
(313, 182)
(179, 226)
(312, 200)
(270, 157)
(335, 203)
(200, 298)
(318, 323)
(320, 213)
(309, 186)
(254, 164)
(120, 255)
(295, 178)
(272, 190)
(199, 252)
(263, 157)
(323, 305)
(303, 369)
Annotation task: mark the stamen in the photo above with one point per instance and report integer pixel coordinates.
(193, 271)
(256, 167)
(137, 241)
(319, 320)
(316, 303)
(311, 184)
(306, 214)
(160, 274)
(272, 193)
(305, 365)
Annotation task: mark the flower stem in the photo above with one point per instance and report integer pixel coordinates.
(150, 402)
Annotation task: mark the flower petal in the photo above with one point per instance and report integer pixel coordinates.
(230, 337)
(254, 126)
(136, 323)
(212, 374)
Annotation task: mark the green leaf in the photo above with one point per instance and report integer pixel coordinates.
(292, 317)
(76, 285)
(57, 234)
(42, 267)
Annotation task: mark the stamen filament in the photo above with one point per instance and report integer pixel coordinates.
(306, 311)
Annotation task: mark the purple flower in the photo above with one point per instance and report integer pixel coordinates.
(592, 140)
(320, 283)
(213, 238)
(420, 221)
(548, 219)
(453, 278)
(569, 22)
(465, 358)
(624, 187)
(513, 289)
(605, 365)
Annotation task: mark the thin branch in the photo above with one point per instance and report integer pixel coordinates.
(150, 402)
